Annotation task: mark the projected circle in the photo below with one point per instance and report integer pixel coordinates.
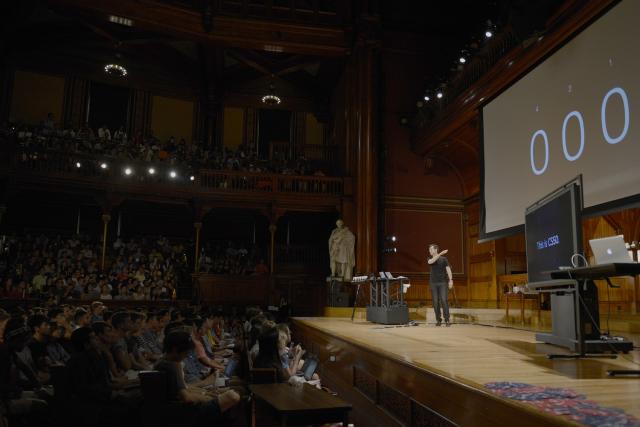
(546, 152)
(603, 115)
(578, 117)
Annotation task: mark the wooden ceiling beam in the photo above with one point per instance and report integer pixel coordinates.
(226, 31)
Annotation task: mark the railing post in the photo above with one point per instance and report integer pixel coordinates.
(196, 259)
(105, 220)
(272, 231)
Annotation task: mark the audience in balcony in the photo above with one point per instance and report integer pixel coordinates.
(229, 258)
(106, 146)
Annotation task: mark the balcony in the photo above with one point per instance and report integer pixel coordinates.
(57, 171)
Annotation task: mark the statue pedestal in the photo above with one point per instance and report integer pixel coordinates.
(336, 297)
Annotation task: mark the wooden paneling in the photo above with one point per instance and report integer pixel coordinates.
(482, 282)
(35, 95)
(314, 130)
(172, 117)
(233, 129)
(415, 229)
(304, 294)
(233, 290)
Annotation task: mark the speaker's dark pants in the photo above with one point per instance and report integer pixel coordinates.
(439, 295)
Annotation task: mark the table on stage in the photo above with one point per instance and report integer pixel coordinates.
(301, 405)
(521, 297)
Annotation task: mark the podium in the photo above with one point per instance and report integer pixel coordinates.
(386, 300)
(575, 309)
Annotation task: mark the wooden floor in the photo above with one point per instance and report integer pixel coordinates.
(474, 355)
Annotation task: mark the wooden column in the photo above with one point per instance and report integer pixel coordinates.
(105, 221)
(272, 232)
(6, 89)
(361, 150)
(196, 259)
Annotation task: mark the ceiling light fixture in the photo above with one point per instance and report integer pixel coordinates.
(121, 20)
(271, 98)
(115, 70)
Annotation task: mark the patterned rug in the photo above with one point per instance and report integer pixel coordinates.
(566, 403)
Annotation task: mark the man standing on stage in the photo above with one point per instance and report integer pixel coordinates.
(440, 271)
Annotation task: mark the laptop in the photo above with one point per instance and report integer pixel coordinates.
(610, 250)
(309, 367)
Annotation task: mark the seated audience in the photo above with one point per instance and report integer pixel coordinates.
(20, 390)
(209, 407)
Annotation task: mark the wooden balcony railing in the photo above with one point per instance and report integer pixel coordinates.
(79, 166)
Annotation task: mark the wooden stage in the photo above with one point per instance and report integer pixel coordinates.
(427, 375)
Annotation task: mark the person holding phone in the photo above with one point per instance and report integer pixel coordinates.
(440, 272)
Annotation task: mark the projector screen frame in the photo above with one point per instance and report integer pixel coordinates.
(592, 211)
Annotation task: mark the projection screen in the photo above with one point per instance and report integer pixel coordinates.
(575, 113)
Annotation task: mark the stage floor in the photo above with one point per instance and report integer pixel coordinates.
(475, 355)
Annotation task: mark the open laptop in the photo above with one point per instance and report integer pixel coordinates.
(610, 250)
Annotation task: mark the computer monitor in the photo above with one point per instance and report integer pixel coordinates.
(553, 229)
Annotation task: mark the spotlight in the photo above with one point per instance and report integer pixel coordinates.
(462, 59)
(128, 171)
(103, 165)
(488, 34)
(192, 178)
(78, 165)
(439, 95)
(173, 174)
(151, 171)
(427, 98)
(390, 250)
(391, 238)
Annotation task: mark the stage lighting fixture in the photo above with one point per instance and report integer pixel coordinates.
(488, 34)
(391, 238)
(103, 165)
(439, 95)
(173, 174)
(427, 98)
(78, 165)
(128, 171)
(462, 59)
(151, 171)
(192, 178)
(390, 250)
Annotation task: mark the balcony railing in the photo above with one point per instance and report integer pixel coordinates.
(78, 166)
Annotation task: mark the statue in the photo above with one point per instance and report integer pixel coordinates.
(341, 251)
